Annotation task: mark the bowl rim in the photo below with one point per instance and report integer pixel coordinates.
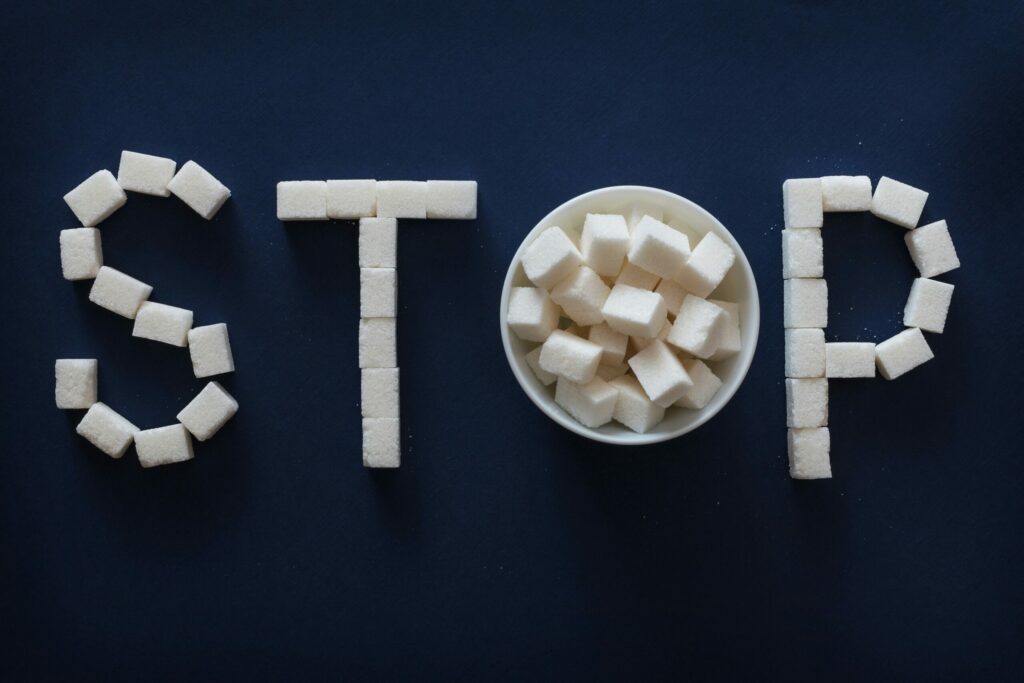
(628, 437)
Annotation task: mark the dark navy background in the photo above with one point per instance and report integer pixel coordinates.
(506, 547)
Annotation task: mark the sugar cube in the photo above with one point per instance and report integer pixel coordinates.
(633, 408)
(302, 200)
(846, 193)
(75, 383)
(898, 202)
(612, 343)
(349, 199)
(610, 372)
(451, 199)
(378, 343)
(849, 359)
(808, 453)
(705, 385)
(378, 292)
(633, 275)
(591, 404)
(550, 258)
(658, 249)
(117, 292)
(805, 352)
(208, 411)
(379, 392)
(801, 203)
(163, 445)
(604, 242)
(145, 173)
(805, 303)
(571, 357)
(378, 242)
(932, 249)
(707, 266)
(210, 349)
(803, 254)
(197, 187)
(162, 323)
(532, 316)
(381, 442)
(81, 253)
(639, 210)
(401, 199)
(533, 360)
(731, 340)
(673, 293)
(634, 312)
(806, 402)
(928, 305)
(106, 430)
(581, 294)
(660, 373)
(95, 198)
(901, 353)
(699, 327)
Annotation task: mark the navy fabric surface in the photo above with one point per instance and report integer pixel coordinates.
(505, 547)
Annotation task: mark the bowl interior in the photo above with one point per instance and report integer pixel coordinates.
(739, 286)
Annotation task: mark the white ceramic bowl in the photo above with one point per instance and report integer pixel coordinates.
(738, 286)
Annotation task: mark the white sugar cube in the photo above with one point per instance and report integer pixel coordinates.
(382, 442)
(210, 349)
(707, 266)
(846, 193)
(604, 242)
(302, 200)
(581, 294)
(163, 323)
(378, 242)
(81, 253)
(117, 292)
(634, 312)
(379, 392)
(145, 173)
(550, 258)
(928, 305)
(378, 343)
(808, 453)
(378, 292)
(633, 275)
(451, 199)
(349, 199)
(658, 249)
(106, 430)
(633, 408)
(533, 360)
(591, 404)
(610, 372)
(208, 411)
(901, 353)
(849, 359)
(803, 254)
(806, 402)
(76, 381)
(532, 316)
(801, 203)
(805, 352)
(805, 303)
(197, 187)
(660, 373)
(932, 249)
(401, 199)
(638, 211)
(705, 385)
(571, 357)
(95, 198)
(699, 327)
(898, 202)
(673, 293)
(613, 344)
(731, 341)
(163, 445)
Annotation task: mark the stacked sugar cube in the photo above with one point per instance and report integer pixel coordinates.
(624, 326)
(377, 205)
(810, 360)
